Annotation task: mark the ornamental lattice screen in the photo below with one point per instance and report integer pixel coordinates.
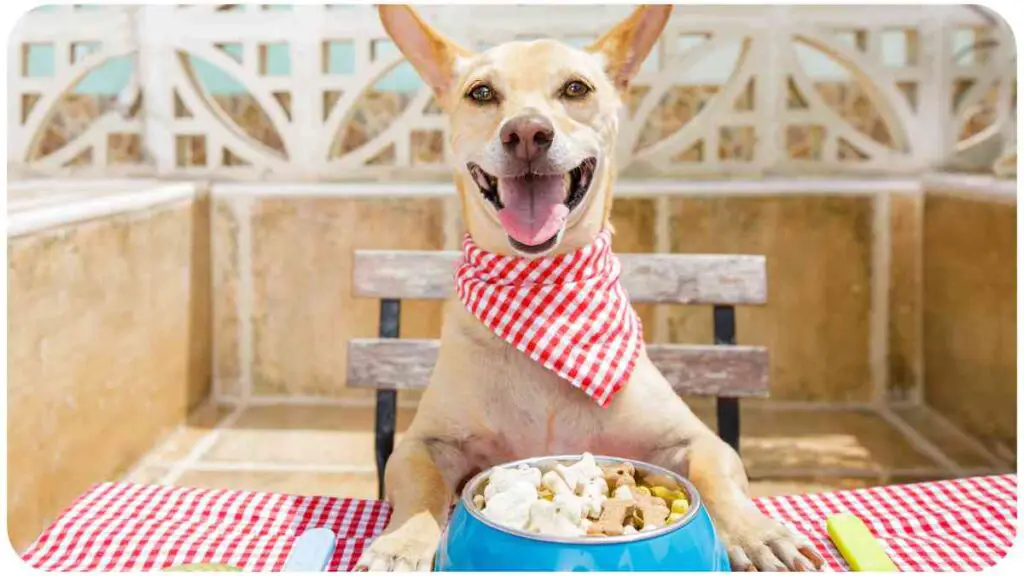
(319, 93)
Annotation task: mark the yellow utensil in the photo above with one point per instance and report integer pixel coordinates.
(853, 539)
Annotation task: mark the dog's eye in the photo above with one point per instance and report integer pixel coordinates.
(575, 90)
(481, 93)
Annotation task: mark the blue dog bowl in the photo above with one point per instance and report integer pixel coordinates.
(472, 542)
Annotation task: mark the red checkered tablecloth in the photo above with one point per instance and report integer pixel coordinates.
(962, 525)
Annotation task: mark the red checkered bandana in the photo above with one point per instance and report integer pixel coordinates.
(567, 312)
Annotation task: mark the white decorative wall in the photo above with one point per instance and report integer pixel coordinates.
(319, 93)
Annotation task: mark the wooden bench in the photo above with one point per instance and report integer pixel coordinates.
(724, 370)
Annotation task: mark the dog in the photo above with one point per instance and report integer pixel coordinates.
(522, 115)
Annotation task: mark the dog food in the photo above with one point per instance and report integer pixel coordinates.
(582, 499)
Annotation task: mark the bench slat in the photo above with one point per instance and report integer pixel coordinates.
(658, 278)
(731, 371)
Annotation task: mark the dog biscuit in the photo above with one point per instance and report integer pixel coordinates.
(620, 475)
(613, 518)
(502, 479)
(555, 519)
(652, 511)
(582, 499)
(511, 507)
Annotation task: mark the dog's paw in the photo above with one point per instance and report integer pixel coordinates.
(757, 543)
(399, 551)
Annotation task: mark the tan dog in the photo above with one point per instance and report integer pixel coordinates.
(533, 126)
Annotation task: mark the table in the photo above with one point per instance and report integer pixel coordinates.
(963, 525)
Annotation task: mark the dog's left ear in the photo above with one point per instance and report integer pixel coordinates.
(626, 46)
(430, 53)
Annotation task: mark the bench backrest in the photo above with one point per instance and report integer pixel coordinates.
(722, 280)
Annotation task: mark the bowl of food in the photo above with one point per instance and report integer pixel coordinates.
(580, 513)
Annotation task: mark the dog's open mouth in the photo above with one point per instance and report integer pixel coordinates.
(533, 208)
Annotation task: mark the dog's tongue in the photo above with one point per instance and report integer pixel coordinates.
(534, 207)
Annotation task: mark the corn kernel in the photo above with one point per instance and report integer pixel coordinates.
(661, 492)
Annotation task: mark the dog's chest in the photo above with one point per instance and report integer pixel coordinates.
(533, 412)
(521, 409)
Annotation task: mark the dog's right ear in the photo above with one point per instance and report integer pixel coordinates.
(430, 53)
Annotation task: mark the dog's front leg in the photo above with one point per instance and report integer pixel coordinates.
(420, 499)
(754, 541)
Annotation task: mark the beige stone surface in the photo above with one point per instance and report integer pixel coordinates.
(304, 435)
(634, 222)
(905, 369)
(816, 322)
(106, 353)
(936, 431)
(303, 309)
(970, 311)
(286, 482)
(773, 441)
(200, 304)
(786, 451)
(146, 475)
(811, 485)
(182, 440)
(226, 282)
(301, 251)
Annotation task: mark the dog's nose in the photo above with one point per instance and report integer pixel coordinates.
(527, 137)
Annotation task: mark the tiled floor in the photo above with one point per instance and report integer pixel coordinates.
(328, 450)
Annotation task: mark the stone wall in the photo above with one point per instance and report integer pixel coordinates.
(970, 313)
(288, 294)
(108, 350)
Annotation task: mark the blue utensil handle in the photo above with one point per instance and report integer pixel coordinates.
(312, 551)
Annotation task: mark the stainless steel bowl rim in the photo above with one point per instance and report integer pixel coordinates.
(691, 493)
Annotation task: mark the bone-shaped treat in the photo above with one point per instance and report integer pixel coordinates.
(511, 507)
(652, 511)
(564, 500)
(555, 518)
(501, 479)
(594, 493)
(579, 473)
(620, 475)
(613, 517)
(554, 482)
(588, 502)
(574, 507)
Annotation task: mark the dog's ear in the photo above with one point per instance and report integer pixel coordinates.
(430, 53)
(627, 44)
